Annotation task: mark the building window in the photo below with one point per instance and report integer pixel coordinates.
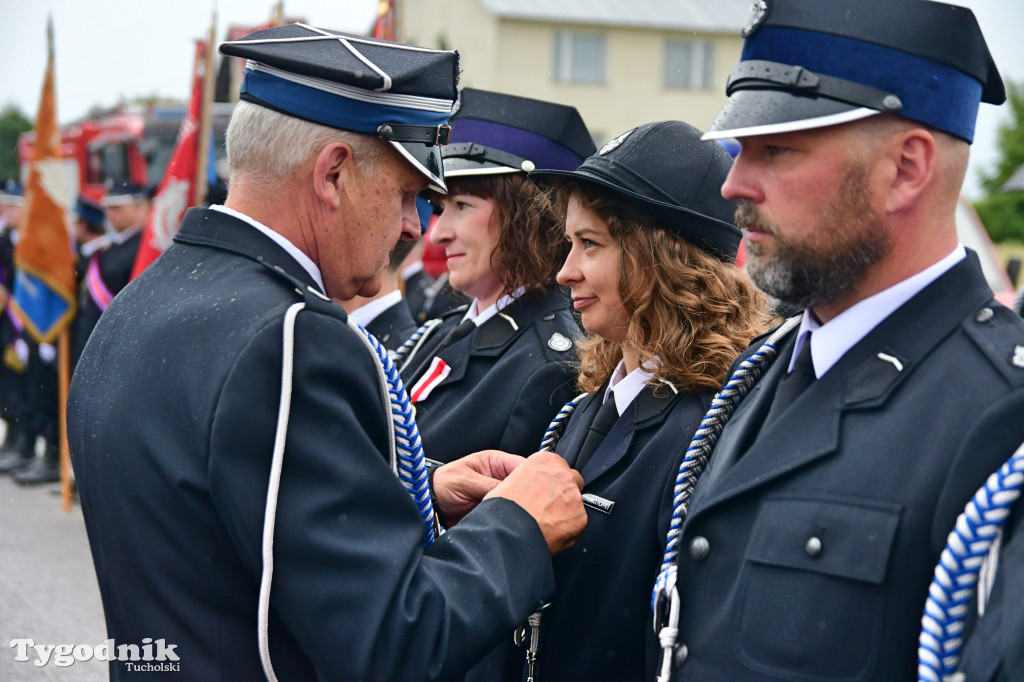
(580, 57)
(690, 64)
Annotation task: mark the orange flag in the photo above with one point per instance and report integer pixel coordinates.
(44, 284)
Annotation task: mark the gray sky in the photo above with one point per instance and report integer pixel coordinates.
(111, 50)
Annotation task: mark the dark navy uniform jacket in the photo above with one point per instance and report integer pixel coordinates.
(115, 265)
(172, 416)
(599, 622)
(416, 295)
(994, 651)
(508, 379)
(824, 531)
(393, 325)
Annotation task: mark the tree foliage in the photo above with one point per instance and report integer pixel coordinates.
(12, 124)
(1003, 212)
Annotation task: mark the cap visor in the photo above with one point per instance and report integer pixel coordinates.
(461, 167)
(766, 112)
(427, 160)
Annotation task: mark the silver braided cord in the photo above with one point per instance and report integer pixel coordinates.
(665, 595)
(557, 425)
(407, 351)
(955, 580)
(411, 467)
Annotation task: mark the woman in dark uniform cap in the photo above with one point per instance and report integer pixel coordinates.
(652, 273)
(492, 374)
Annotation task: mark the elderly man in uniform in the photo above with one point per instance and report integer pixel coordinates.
(228, 425)
(809, 542)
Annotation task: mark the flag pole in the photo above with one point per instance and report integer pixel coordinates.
(203, 158)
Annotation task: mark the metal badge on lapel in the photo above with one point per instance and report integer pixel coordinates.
(559, 342)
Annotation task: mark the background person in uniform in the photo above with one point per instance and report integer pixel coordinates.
(415, 278)
(28, 374)
(19, 446)
(810, 540)
(652, 272)
(174, 404)
(386, 314)
(493, 375)
(109, 268)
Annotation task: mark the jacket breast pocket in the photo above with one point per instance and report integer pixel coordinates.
(813, 586)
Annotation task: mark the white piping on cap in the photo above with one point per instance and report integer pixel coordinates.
(792, 126)
(417, 102)
(331, 36)
(358, 55)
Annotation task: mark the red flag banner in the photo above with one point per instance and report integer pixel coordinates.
(175, 192)
(44, 281)
(385, 26)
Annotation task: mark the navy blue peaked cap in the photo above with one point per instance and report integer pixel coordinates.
(665, 170)
(124, 192)
(401, 93)
(11, 193)
(812, 63)
(89, 210)
(495, 133)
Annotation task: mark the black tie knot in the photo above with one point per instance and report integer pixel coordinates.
(794, 383)
(464, 329)
(599, 428)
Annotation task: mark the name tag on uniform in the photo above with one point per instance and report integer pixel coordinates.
(599, 503)
(439, 370)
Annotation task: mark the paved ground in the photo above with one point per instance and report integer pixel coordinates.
(48, 590)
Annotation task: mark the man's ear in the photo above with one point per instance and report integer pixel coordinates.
(913, 154)
(329, 169)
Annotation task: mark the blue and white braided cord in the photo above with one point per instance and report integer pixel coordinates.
(412, 470)
(706, 437)
(557, 425)
(956, 575)
(690, 469)
(411, 342)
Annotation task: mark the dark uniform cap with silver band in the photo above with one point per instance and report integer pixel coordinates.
(495, 133)
(400, 93)
(124, 192)
(11, 194)
(664, 169)
(814, 63)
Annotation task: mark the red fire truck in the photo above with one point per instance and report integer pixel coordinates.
(131, 142)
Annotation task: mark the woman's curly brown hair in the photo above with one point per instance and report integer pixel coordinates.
(529, 251)
(692, 311)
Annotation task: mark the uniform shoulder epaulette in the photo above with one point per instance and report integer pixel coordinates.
(998, 332)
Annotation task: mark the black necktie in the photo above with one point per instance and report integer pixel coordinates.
(602, 424)
(464, 329)
(793, 384)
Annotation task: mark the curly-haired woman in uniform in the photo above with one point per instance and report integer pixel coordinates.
(652, 273)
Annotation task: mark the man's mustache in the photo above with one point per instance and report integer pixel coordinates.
(747, 218)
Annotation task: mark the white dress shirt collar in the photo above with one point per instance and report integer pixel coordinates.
(626, 387)
(365, 314)
(480, 317)
(302, 259)
(830, 341)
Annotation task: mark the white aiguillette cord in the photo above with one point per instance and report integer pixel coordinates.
(406, 457)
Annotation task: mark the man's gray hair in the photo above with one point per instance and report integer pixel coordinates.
(270, 146)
